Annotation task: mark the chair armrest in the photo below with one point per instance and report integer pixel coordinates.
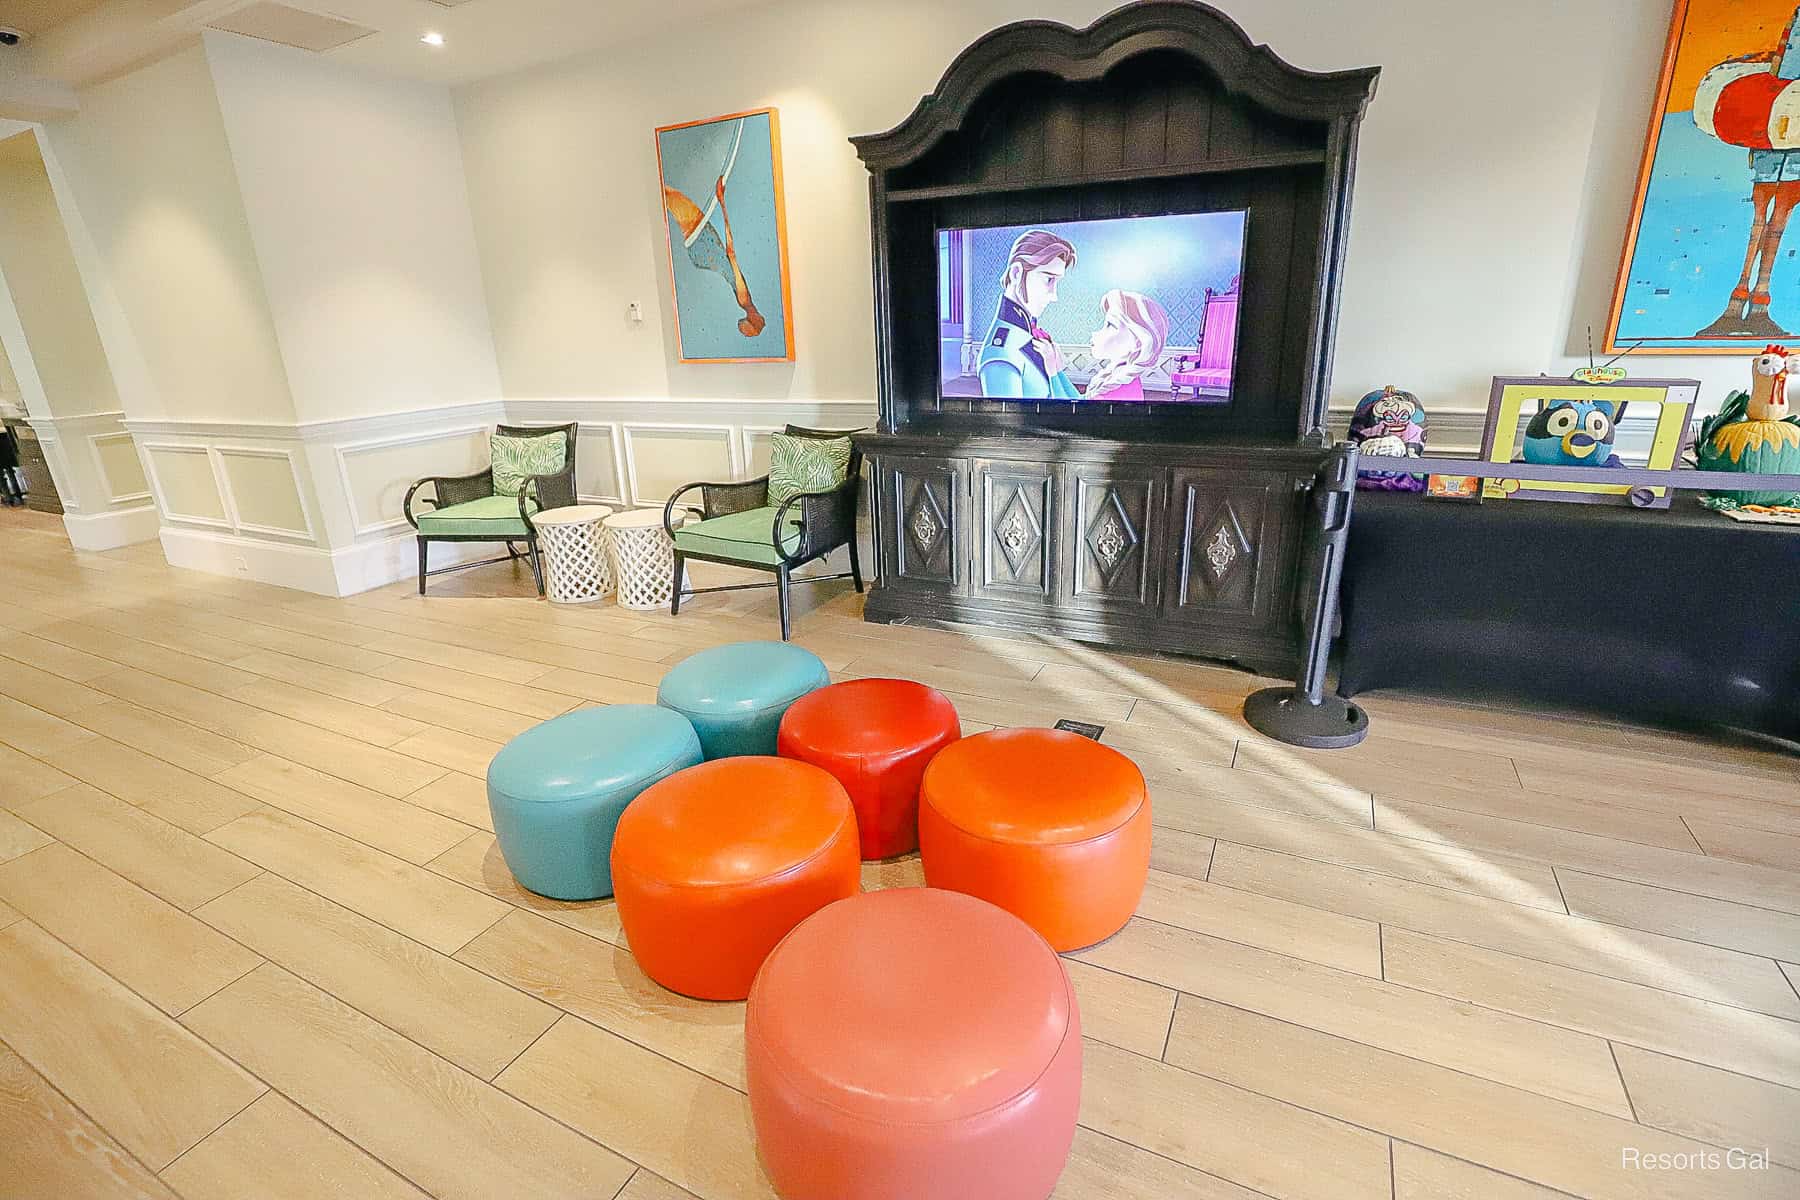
(827, 520)
(448, 490)
(669, 508)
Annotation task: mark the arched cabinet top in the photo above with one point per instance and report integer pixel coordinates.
(1197, 31)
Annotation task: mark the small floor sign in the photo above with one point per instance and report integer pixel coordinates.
(1084, 728)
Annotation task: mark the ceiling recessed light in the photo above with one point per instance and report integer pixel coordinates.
(434, 38)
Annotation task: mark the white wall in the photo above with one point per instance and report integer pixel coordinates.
(1495, 178)
(358, 209)
(154, 188)
(10, 396)
(62, 379)
(36, 262)
(280, 251)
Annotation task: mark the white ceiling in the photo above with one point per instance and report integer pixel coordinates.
(35, 16)
(77, 42)
(491, 37)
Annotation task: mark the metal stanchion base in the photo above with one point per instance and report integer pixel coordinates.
(1283, 714)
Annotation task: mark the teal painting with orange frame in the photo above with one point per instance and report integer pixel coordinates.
(726, 217)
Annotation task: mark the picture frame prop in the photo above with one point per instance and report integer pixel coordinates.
(1590, 430)
(725, 213)
(1704, 269)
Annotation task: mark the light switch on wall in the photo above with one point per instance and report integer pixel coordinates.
(636, 312)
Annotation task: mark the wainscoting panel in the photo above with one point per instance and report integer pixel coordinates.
(100, 478)
(376, 473)
(757, 448)
(600, 463)
(186, 485)
(263, 491)
(660, 457)
(121, 470)
(62, 470)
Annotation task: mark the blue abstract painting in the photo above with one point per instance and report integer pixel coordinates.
(727, 224)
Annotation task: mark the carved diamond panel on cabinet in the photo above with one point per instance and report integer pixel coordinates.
(1230, 535)
(1015, 513)
(922, 546)
(1113, 544)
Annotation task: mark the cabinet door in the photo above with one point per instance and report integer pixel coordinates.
(1015, 523)
(1229, 547)
(922, 545)
(1113, 540)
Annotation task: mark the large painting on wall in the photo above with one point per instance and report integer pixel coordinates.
(727, 224)
(1708, 267)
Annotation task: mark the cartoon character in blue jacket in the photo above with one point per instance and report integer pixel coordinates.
(1020, 361)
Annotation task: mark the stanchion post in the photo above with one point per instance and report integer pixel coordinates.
(1305, 714)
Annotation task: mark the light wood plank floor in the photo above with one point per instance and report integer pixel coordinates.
(256, 939)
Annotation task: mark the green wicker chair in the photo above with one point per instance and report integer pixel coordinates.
(739, 527)
(465, 508)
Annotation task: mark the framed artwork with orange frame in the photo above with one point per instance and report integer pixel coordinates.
(1704, 268)
(725, 213)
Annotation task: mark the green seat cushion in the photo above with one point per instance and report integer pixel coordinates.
(515, 458)
(491, 516)
(802, 464)
(744, 536)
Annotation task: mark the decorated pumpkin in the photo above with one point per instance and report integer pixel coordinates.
(1389, 423)
(1754, 432)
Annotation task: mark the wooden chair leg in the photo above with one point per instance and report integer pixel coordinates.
(422, 564)
(781, 583)
(537, 565)
(675, 588)
(855, 565)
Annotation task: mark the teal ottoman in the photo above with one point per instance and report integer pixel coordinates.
(735, 695)
(556, 791)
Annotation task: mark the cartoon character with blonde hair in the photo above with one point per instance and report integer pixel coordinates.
(1020, 361)
(1133, 331)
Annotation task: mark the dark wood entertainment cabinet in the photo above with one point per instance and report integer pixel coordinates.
(1169, 527)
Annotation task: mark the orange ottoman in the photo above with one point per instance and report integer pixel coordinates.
(875, 736)
(715, 864)
(1051, 826)
(913, 1044)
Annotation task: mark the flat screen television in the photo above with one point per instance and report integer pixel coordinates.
(1122, 310)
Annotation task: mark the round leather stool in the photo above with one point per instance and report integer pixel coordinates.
(556, 791)
(715, 864)
(875, 736)
(1051, 826)
(913, 1043)
(735, 695)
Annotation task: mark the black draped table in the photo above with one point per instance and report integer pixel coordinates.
(1677, 617)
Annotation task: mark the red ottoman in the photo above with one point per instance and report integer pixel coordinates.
(1051, 826)
(913, 1044)
(876, 736)
(716, 864)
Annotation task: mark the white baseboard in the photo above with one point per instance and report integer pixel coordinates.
(306, 568)
(345, 572)
(110, 530)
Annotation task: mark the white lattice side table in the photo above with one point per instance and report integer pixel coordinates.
(643, 558)
(577, 567)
